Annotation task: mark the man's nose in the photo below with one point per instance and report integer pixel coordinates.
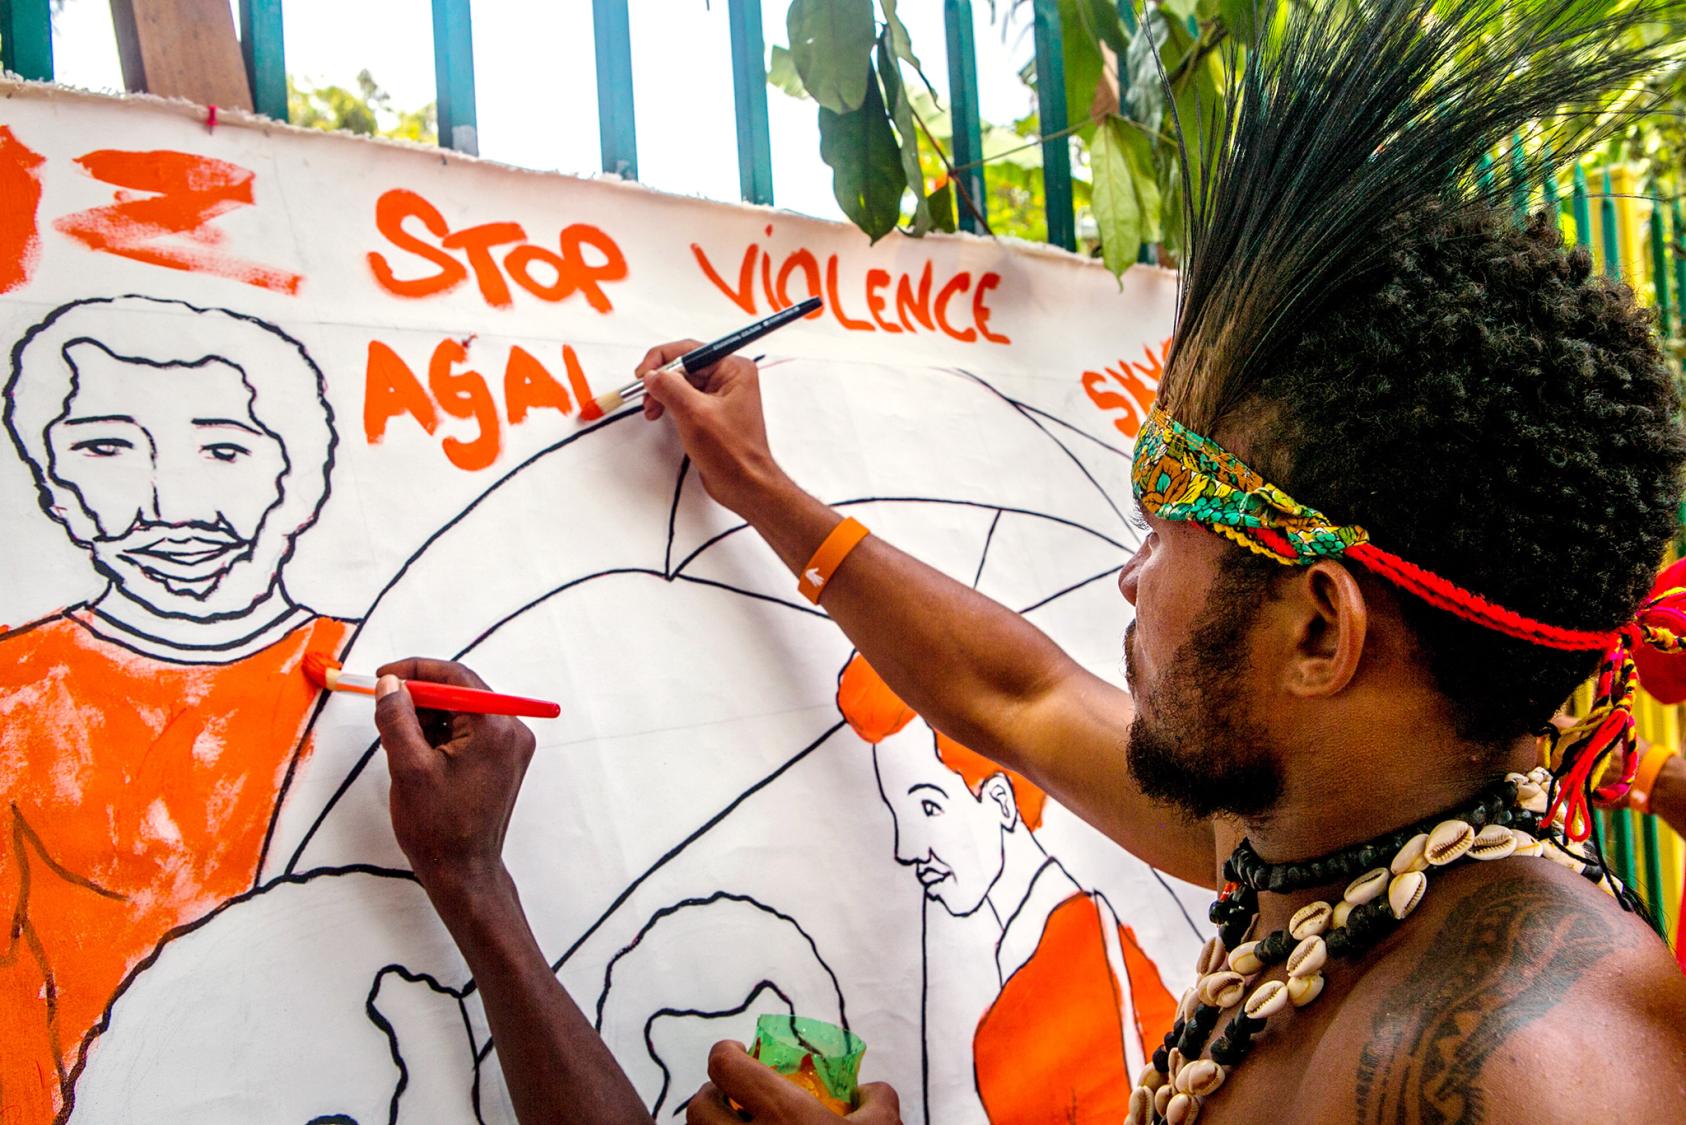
(907, 851)
(1130, 575)
(178, 494)
(171, 502)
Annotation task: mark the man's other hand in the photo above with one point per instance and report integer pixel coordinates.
(769, 1099)
(454, 776)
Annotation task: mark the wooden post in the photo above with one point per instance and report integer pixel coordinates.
(181, 49)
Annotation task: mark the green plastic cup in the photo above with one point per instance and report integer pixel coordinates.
(820, 1057)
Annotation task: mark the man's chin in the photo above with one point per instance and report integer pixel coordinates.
(197, 589)
(946, 901)
(1200, 784)
(217, 597)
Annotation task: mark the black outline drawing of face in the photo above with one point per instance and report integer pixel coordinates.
(184, 447)
(954, 840)
(172, 465)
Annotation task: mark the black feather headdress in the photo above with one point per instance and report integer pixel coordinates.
(1341, 116)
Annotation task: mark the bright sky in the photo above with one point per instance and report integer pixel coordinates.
(535, 77)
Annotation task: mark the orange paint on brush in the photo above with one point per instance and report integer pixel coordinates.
(327, 673)
(324, 671)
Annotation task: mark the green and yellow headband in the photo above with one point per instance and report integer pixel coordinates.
(1179, 475)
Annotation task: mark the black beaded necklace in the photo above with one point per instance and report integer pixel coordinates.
(1234, 910)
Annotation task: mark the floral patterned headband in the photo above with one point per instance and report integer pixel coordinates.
(1178, 475)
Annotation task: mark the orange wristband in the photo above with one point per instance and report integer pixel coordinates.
(1645, 777)
(845, 537)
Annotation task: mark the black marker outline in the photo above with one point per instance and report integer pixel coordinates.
(704, 901)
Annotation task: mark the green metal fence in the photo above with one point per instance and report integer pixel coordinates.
(26, 49)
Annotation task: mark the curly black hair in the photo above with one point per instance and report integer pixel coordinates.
(1489, 408)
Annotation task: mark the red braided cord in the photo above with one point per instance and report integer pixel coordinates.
(1572, 781)
(1437, 591)
(1276, 541)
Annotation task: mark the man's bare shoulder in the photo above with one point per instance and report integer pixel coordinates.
(1524, 993)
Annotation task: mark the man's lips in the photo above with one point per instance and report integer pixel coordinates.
(188, 549)
(931, 876)
(186, 556)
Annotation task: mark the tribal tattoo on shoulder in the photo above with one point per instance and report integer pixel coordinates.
(1509, 956)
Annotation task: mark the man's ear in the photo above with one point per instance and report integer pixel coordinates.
(1330, 619)
(999, 791)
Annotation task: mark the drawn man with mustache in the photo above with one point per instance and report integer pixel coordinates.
(145, 736)
(1080, 1002)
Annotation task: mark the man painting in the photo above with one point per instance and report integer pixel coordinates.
(146, 735)
(1410, 473)
(1081, 1006)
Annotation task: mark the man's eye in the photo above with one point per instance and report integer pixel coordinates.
(103, 447)
(931, 808)
(227, 451)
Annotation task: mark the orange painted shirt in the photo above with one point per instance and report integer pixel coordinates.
(1051, 1047)
(135, 795)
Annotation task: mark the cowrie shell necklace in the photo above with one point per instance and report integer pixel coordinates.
(1388, 878)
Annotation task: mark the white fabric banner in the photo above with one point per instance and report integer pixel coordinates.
(274, 391)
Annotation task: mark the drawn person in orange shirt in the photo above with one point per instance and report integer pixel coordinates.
(1080, 1002)
(145, 736)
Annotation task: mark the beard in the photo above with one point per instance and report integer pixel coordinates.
(1203, 753)
(200, 571)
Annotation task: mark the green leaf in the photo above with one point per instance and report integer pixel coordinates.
(1238, 17)
(1083, 63)
(1176, 41)
(900, 42)
(1144, 100)
(1200, 111)
(942, 206)
(866, 165)
(895, 92)
(1138, 153)
(831, 44)
(1117, 210)
(1180, 9)
(1109, 25)
(781, 74)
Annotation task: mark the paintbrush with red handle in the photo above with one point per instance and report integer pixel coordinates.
(326, 673)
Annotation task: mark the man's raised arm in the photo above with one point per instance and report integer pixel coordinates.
(971, 667)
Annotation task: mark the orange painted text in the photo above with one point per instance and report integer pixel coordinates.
(448, 385)
(765, 280)
(582, 259)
